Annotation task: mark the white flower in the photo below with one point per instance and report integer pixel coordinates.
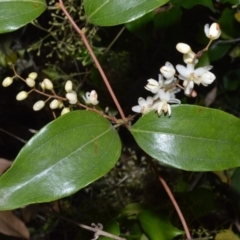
(168, 71)
(72, 97)
(165, 98)
(213, 32)
(91, 98)
(144, 106)
(191, 76)
(7, 81)
(183, 48)
(38, 105)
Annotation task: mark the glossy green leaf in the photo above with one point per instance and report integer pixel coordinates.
(194, 138)
(229, 26)
(140, 22)
(156, 227)
(17, 13)
(168, 18)
(217, 51)
(190, 4)
(114, 12)
(63, 157)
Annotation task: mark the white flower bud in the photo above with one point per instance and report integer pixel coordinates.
(183, 48)
(68, 86)
(42, 85)
(65, 110)
(93, 97)
(60, 105)
(168, 70)
(213, 32)
(33, 75)
(48, 84)
(30, 82)
(38, 105)
(21, 95)
(72, 97)
(189, 57)
(207, 78)
(152, 86)
(7, 81)
(54, 104)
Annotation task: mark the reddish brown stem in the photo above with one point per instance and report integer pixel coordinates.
(85, 41)
(173, 200)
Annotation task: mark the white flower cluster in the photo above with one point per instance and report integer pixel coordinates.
(165, 88)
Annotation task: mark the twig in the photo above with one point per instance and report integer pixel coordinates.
(168, 191)
(12, 135)
(96, 229)
(85, 41)
(114, 40)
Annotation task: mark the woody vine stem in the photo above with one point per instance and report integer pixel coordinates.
(85, 41)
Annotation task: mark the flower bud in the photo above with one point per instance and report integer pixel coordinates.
(152, 86)
(48, 84)
(183, 48)
(213, 32)
(38, 105)
(60, 104)
(7, 81)
(189, 57)
(54, 104)
(65, 110)
(93, 97)
(30, 82)
(32, 75)
(168, 70)
(68, 86)
(42, 85)
(21, 95)
(207, 78)
(72, 97)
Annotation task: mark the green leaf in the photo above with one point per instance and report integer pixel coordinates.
(140, 22)
(231, 80)
(190, 4)
(114, 12)
(17, 13)
(217, 51)
(168, 18)
(194, 138)
(156, 227)
(63, 157)
(229, 26)
(113, 228)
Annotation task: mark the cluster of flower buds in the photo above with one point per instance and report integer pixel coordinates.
(165, 88)
(46, 84)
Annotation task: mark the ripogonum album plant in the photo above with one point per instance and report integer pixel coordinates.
(88, 145)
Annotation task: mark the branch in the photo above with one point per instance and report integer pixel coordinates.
(85, 41)
(167, 189)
